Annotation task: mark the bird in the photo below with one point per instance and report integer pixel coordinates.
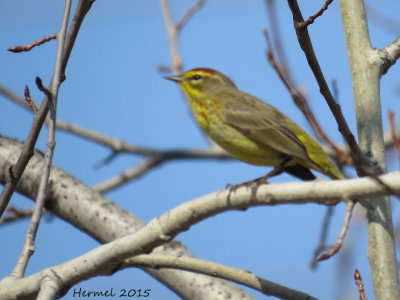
(251, 130)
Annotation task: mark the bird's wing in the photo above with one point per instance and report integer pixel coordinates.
(263, 124)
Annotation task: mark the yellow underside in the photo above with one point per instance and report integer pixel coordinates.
(237, 144)
(208, 116)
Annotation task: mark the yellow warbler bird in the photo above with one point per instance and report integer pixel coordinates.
(249, 129)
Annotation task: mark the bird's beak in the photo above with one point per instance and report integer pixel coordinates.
(176, 79)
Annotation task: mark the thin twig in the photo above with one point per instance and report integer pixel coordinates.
(173, 32)
(15, 215)
(318, 14)
(43, 89)
(306, 45)
(26, 154)
(43, 40)
(152, 161)
(189, 14)
(360, 285)
(121, 146)
(323, 236)
(115, 144)
(14, 97)
(302, 103)
(29, 100)
(128, 175)
(51, 94)
(349, 210)
(273, 16)
(393, 132)
(82, 8)
(360, 163)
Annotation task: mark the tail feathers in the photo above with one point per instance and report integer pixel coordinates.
(300, 172)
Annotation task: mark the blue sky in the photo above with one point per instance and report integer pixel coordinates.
(113, 87)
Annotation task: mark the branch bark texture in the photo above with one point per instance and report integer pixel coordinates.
(102, 219)
(366, 71)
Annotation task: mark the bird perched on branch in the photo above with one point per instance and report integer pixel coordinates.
(249, 129)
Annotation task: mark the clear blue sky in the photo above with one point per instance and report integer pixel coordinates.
(113, 87)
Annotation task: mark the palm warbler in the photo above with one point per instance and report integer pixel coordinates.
(249, 129)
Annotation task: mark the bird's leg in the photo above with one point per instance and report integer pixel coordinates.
(258, 181)
(277, 170)
(255, 183)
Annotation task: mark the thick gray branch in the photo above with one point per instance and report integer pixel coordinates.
(366, 71)
(99, 217)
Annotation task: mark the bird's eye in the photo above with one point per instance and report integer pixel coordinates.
(197, 77)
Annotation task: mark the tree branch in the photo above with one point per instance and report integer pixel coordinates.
(17, 49)
(306, 46)
(103, 220)
(173, 32)
(52, 95)
(366, 71)
(13, 179)
(391, 54)
(105, 259)
(191, 264)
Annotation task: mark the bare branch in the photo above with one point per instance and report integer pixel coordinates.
(128, 175)
(246, 278)
(311, 19)
(115, 144)
(164, 228)
(115, 222)
(390, 54)
(43, 40)
(24, 157)
(361, 165)
(43, 89)
(306, 46)
(189, 14)
(82, 8)
(358, 280)
(92, 213)
(323, 236)
(277, 38)
(365, 66)
(29, 100)
(49, 286)
(52, 95)
(14, 97)
(157, 159)
(335, 249)
(15, 215)
(302, 103)
(173, 32)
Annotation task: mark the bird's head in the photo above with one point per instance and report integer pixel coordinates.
(201, 80)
